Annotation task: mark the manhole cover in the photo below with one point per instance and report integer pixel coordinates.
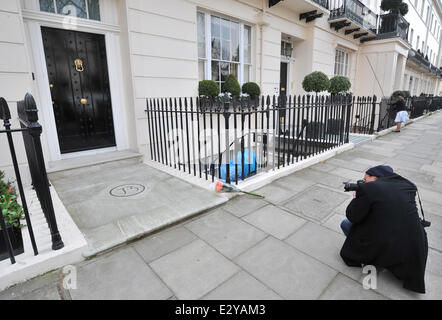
(127, 190)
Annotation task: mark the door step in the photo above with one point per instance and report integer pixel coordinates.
(91, 160)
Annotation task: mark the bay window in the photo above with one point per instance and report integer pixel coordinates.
(224, 48)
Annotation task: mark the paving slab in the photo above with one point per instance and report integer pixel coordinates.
(226, 232)
(242, 286)
(20, 290)
(287, 271)
(430, 196)
(434, 262)
(160, 244)
(194, 270)
(389, 286)
(344, 288)
(244, 204)
(45, 293)
(275, 193)
(324, 245)
(434, 238)
(316, 202)
(432, 169)
(318, 177)
(294, 183)
(119, 275)
(324, 166)
(351, 175)
(127, 202)
(356, 164)
(334, 222)
(275, 221)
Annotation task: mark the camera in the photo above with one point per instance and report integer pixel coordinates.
(352, 186)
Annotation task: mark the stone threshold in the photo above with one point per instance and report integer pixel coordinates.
(91, 160)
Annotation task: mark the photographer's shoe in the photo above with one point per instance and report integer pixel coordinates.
(396, 130)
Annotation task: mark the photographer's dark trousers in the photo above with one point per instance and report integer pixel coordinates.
(345, 226)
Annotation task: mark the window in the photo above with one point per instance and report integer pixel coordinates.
(341, 63)
(417, 43)
(86, 9)
(224, 48)
(411, 35)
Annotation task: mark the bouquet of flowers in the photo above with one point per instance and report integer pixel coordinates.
(226, 187)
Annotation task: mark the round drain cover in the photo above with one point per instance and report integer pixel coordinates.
(127, 190)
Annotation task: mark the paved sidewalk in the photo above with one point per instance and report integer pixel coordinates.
(115, 202)
(283, 247)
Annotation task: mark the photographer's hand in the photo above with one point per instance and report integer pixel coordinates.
(354, 195)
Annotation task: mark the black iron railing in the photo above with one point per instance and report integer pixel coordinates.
(31, 131)
(419, 59)
(416, 107)
(421, 105)
(363, 115)
(355, 11)
(322, 3)
(235, 140)
(393, 25)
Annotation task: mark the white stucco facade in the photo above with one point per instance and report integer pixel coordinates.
(152, 51)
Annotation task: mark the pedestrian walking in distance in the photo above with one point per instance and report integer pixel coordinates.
(402, 114)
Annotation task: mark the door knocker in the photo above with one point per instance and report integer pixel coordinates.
(78, 65)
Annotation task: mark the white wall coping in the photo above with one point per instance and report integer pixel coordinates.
(257, 181)
(27, 265)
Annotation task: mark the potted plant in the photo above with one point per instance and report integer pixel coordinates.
(395, 6)
(339, 84)
(316, 82)
(12, 213)
(231, 86)
(251, 89)
(208, 89)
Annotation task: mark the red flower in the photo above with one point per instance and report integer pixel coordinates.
(218, 186)
(10, 188)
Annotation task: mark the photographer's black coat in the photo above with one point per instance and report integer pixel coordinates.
(386, 230)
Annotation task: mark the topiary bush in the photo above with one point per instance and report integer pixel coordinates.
(232, 86)
(316, 82)
(339, 84)
(252, 89)
(208, 88)
(394, 6)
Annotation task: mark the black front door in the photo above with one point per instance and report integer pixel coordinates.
(79, 84)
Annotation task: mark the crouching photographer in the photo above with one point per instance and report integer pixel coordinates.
(383, 227)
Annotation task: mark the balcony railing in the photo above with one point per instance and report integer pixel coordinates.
(393, 25)
(355, 11)
(434, 70)
(322, 3)
(419, 59)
